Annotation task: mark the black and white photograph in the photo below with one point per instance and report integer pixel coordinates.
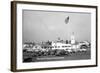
(55, 35)
(52, 36)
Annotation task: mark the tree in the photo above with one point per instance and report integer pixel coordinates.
(66, 41)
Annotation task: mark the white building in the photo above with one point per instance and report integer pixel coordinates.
(69, 46)
(59, 45)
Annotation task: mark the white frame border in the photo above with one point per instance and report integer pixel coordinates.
(50, 64)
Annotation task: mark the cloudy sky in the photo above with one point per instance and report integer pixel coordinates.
(49, 25)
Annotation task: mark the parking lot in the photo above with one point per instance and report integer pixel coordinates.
(56, 56)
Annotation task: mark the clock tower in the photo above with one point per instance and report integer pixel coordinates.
(72, 38)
